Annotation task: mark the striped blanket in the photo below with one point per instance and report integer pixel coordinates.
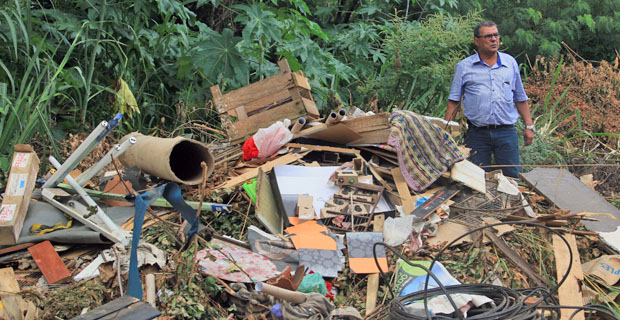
(424, 150)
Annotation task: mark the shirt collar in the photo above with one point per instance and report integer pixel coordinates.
(499, 59)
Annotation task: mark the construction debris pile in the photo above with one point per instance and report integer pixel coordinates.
(291, 216)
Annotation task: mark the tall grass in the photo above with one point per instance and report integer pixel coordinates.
(29, 81)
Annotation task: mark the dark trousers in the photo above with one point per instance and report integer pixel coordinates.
(500, 144)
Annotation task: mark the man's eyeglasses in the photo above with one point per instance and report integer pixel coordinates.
(489, 36)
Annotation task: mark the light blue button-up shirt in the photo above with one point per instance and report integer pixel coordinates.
(488, 92)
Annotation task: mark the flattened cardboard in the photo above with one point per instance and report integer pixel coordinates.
(338, 133)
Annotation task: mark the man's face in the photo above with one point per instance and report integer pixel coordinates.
(488, 41)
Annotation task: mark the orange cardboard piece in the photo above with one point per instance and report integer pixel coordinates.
(116, 186)
(367, 265)
(311, 235)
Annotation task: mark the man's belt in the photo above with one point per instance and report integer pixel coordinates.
(491, 126)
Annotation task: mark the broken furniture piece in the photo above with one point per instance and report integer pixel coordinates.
(283, 96)
(91, 215)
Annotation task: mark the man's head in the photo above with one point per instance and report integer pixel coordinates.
(486, 37)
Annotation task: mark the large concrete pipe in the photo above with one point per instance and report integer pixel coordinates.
(175, 159)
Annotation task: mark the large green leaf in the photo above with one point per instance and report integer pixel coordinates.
(259, 23)
(219, 57)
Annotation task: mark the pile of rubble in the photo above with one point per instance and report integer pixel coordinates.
(352, 212)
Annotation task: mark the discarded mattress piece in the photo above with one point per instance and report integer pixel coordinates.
(236, 265)
(425, 151)
(175, 159)
(568, 193)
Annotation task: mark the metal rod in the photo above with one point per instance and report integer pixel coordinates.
(89, 201)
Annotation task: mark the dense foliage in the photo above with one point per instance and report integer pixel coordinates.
(65, 65)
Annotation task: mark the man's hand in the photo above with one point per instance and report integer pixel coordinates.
(528, 137)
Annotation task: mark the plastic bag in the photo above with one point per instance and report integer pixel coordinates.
(269, 140)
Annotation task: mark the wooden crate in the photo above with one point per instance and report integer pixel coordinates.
(260, 104)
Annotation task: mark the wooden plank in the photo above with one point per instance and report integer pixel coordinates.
(300, 80)
(284, 66)
(406, 200)
(470, 175)
(373, 280)
(49, 262)
(274, 99)
(239, 129)
(285, 159)
(322, 148)
(310, 107)
(570, 291)
(9, 295)
(15, 248)
(241, 113)
(267, 210)
(516, 259)
(368, 123)
(254, 91)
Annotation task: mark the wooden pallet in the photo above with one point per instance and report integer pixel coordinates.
(260, 104)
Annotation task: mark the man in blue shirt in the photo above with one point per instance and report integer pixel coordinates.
(493, 97)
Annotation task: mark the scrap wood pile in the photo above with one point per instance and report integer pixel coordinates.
(292, 216)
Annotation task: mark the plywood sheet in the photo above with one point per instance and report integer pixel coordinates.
(470, 175)
(568, 193)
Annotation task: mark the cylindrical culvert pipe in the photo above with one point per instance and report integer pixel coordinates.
(175, 159)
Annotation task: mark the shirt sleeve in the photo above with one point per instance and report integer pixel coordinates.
(456, 90)
(519, 94)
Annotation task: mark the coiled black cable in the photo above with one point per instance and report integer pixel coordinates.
(508, 303)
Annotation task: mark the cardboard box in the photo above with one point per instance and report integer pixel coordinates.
(305, 209)
(22, 177)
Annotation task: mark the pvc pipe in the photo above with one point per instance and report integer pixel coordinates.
(150, 289)
(175, 159)
(341, 113)
(332, 118)
(295, 297)
(298, 125)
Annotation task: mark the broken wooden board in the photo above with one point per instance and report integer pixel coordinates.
(267, 210)
(285, 159)
(125, 307)
(49, 262)
(406, 200)
(470, 175)
(373, 280)
(9, 295)
(567, 192)
(569, 293)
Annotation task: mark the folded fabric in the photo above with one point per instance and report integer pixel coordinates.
(425, 150)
